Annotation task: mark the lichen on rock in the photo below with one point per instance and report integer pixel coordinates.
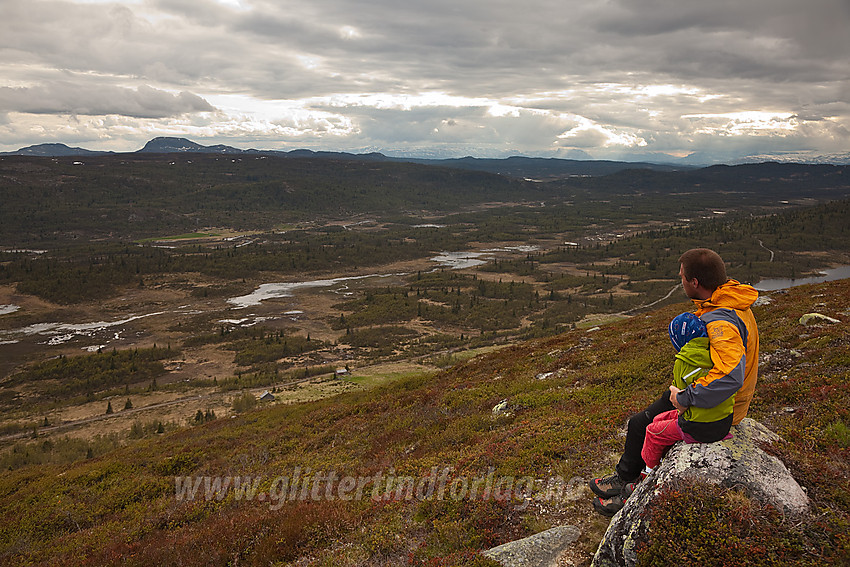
(817, 318)
(539, 550)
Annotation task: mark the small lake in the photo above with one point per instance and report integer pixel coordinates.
(6, 309)
(449, 260)
(839, 273)
(461, 260)
(279, 290)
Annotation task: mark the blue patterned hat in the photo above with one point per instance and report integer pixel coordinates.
(685, 327)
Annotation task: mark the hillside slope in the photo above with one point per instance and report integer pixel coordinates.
(135, 195)
(565, 401)
(132, 196)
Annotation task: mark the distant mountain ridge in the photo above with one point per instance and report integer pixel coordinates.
(53, 150)
(549, 168)
(165, 145)
(516, 166)
(530, 168)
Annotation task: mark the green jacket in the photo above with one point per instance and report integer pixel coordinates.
(694, 361)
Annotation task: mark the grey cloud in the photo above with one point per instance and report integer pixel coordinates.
(465, 48)
(471, 47)
(657, 17)
(446, 125)
(774, 55)
(116, 41)
(758, 38)
(72, 98)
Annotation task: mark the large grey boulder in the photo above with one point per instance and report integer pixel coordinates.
(738, 462)
(539, 550)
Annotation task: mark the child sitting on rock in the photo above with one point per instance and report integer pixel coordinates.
(692, 424)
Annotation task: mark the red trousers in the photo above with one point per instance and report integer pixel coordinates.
(660, 434)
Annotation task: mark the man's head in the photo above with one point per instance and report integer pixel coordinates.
(702, 271)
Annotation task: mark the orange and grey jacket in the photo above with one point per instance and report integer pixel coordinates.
(734, 344)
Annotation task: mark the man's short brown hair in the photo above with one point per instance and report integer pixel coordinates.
(705, 265)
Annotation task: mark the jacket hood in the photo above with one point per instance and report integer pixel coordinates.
(696, 353)
(731, 295)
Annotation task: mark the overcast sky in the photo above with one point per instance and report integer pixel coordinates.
(607, 79)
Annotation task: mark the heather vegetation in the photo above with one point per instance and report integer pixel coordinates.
(690, 520)
(121, 507)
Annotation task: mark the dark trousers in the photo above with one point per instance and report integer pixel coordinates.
(631, 462)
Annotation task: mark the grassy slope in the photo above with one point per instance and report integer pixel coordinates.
(121, 508)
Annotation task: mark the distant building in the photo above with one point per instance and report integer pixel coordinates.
(267, 397)
(340, 372)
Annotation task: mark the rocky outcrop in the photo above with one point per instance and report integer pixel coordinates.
(817, 319)
(539, 550)
(737, 462)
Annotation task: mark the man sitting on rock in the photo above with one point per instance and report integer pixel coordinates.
(724, 306)
(695, 424)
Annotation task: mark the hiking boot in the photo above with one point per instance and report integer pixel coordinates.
(628, 489)
(610, 506)
(607, 486)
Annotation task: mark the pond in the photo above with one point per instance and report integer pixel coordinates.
(461, 260)
(6, 309)
(279, 290)
(829, 275)
(449, 260)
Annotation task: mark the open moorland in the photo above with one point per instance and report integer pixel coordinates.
(172, 497)
(145, 298)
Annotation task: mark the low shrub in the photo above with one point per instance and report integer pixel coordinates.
(697, 523)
